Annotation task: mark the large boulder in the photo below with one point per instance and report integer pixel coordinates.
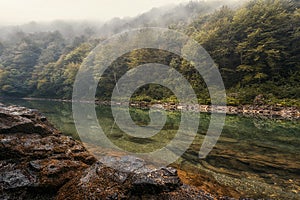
(15, 119)
(128, 177)
(35, 159)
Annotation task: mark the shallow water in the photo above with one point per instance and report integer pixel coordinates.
(254, 157)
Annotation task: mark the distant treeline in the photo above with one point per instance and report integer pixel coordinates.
(255, 46)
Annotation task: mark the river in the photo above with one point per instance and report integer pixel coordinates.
(254, 157)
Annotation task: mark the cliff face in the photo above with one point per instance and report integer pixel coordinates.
(38, 162)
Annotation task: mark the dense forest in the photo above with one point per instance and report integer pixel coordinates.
(255, 45)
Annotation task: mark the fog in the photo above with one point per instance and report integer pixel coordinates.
(99, 18)
(14, 12)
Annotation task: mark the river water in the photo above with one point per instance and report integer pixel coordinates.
(254, 157)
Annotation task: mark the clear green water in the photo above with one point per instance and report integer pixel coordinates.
(257, 157)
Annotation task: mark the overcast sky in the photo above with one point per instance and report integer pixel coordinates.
(21, 11)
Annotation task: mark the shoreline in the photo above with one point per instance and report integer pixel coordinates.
(263, 111)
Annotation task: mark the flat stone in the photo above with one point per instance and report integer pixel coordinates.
(119, 181)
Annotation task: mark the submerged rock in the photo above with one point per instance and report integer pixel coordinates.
(128, 177)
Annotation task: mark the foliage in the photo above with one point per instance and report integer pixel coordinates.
(256, 48)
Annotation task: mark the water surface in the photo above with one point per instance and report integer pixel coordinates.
(254, 157)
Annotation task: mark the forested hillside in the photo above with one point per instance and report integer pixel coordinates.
(255, 46)
(257, 49)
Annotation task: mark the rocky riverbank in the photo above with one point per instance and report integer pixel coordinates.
(38, 162)
(254, 110)
(35, 158)
(247, 110)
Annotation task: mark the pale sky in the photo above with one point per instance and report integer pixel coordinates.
(21, 11)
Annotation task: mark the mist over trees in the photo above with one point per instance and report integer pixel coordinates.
(255, 45)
